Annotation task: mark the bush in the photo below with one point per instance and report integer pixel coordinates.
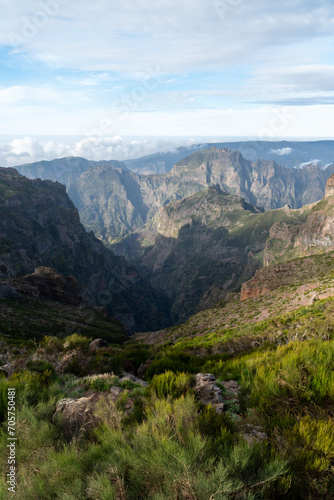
(51, 345)
(171, 384)
(40, 366)
(312, 444)
(76, 341)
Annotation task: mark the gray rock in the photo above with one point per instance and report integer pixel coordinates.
(132, 378)
(115, 391)
(232, 387)
(206, 389)
(7, 370)
(98, 344)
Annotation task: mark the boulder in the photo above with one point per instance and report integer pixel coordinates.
(7, 370)
(98, 344)
(207, 391)
(232, 387)
(132, 378)
(77, 416)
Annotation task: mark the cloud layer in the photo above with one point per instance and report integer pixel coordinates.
(166, 67)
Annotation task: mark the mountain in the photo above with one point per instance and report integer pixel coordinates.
(113, 202)
(205, 246)
(39, 226)
(64, 170)
(199, 249)
(290, 154)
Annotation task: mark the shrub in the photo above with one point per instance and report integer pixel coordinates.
(76, 341)
(311, 443)
(51, 345)
(39, 366)
(171, 384)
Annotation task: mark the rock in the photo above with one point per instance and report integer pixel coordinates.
(132, 378)
(219, 408)
(77, 416)
(115, 391)
(254, 433)
(98, 344)
(143, 368)
(232, 387)
(7, 370)
(207, 391)
(47, 284)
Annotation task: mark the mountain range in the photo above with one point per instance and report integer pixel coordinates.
(114, 201)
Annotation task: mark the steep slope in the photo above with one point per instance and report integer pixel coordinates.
(314, 236)
(47, 303)
(40, 226)
(233, 325)
(206, 246)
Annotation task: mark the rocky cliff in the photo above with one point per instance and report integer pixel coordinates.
(39, 226)
(289, 244)
(206, 246)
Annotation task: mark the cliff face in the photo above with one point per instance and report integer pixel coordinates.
(113, 201)
(206, 246)
(311, 234)
(39, 226)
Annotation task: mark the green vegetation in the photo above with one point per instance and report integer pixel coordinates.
(161, 442)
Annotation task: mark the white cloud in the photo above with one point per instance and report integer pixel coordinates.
(181, 35)
(282, 151)
(27, 150)
(310, 162)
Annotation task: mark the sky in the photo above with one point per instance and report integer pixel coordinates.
(105, 71)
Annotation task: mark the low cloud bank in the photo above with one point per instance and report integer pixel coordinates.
(28, 149)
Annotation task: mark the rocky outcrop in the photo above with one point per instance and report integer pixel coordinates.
(329, 189)
(46, 284)
(208, 392)
(98, 344)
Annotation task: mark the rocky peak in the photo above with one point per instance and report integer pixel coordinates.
(329, 189)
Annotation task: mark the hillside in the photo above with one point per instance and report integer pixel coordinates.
(40, 226)
(206, 246)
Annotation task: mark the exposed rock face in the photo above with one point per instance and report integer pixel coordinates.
(39, 226)
(114, 202)
(312, 233)
(46, 284)
(329, 190)
(207, 245)
(270, 278)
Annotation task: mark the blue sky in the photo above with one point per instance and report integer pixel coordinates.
(105, 69)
